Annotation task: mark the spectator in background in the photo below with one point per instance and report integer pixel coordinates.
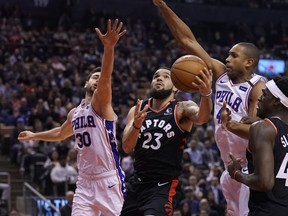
(191, 200)
(14, 212)
(61, 175)
(195, 154)
(50, 163)
(67, 209)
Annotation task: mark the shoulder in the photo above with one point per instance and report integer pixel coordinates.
(257, 89)
(71, 112)
(264, 126)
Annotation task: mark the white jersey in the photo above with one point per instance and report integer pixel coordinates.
(95, 142)
(237, 100)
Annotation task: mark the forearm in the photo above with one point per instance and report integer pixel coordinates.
(52, 135)
(204, 110)
(178, 28)
(130, 137)
(252, 181)
(239, 129)
(107, 61)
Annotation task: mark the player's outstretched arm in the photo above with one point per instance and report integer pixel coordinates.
(186, 38)
(135, 120)
(53, 135)
(102, 97)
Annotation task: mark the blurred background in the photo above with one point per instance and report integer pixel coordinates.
(48, 47)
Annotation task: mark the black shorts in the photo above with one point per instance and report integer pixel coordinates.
(149, 197)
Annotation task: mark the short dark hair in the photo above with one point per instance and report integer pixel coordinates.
(251, 51)
(282, 84)
(94, 70)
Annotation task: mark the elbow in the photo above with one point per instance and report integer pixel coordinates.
(201, 121)
(267, 185)
(126, 148)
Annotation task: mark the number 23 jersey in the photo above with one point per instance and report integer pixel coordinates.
(159, 148)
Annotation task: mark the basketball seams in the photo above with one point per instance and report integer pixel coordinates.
(191, 60)
(185, 70)
(189, 88)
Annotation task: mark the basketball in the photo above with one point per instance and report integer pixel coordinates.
(184, 71)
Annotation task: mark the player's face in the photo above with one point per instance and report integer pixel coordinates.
(92, 83)
(162, 86)
(235, 62)
(264, 106)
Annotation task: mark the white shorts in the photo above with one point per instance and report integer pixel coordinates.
(236, 195)
(98, 194)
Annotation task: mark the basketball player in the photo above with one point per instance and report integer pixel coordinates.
(267, 153)
(156, 131)
(236, 84)
(100, 185)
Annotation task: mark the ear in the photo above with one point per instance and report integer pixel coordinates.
(85, 85)
(277, 102)
(250, 62)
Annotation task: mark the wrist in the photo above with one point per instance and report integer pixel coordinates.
(161, 4)
(235, 173)
(135, 127)
(207, 95)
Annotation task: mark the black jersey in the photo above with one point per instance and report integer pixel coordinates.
(274, 202)
(159, 148)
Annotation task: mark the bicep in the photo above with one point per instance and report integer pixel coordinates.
(261, 143)
(102, 99)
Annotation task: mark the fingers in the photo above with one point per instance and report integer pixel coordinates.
(137, 107)
(119, 27)
(232, 157)
(99, 33)
(224, 105)
(109, 24)
(204, 81)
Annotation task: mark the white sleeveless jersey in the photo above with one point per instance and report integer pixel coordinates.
(95, 142)
(237, 100)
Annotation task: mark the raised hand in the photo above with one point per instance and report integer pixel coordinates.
(234, 166)
(113, 34)
(139, 116)
(225, 116)
(157, 2)
(204, 82)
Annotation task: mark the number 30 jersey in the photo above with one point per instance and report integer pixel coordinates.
(95, 141)
(159, 148)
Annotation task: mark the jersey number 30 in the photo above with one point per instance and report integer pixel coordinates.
(83, 139)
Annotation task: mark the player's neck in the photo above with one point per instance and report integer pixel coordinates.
(242, 79)
(87, 100)
(158, 104)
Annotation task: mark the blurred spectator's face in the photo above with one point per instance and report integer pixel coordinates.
(14, 213)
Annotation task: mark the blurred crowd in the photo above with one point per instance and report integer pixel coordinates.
(265, 4)
(43, 67)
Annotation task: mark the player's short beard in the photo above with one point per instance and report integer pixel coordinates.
(161, 94)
